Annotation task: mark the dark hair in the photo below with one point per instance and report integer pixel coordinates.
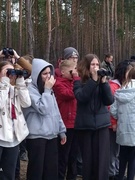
(4, 63)
(121, 70)
(40, 83)
(84, 67)
(131, 74)
(132, 57)
(108, 55)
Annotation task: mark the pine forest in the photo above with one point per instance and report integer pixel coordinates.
(44, 28)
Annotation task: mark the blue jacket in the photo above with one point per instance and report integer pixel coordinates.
(123, 109)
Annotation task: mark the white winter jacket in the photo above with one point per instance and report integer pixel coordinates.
(18, 95)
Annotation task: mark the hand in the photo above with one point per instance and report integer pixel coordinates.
(3, 72)
(94, 74)
(75, 73)
(12, 79)
(103, 79)
(63, 140)
(114, 127)
(50, 81)
(15, 54)
(1, 53)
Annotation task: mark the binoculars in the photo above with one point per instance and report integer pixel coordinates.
(17, 72)
(8, 52)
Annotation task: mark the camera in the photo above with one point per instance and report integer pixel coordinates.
(102, 72)
(8, 52)
(17, 72)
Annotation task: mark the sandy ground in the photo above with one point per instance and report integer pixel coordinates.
(23, 170)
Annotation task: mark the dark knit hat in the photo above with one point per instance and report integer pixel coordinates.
(132, 57)
(70, 51)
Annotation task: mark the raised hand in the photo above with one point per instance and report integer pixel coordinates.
(50, 81)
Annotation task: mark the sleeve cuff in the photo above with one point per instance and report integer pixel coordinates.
(20, 81)
(46, 90)
(5, 80)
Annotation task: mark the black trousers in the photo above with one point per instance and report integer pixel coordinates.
(43, 159)
(68, 156)
(94, 146)
(114, 154)
(8, 160)
(23, 147)
(127, 155)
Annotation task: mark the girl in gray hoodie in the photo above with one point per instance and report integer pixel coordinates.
(44, 123)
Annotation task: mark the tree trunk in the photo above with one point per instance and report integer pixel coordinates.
(108, 25)
(74, 12)
(20, 26)
(0, 23)
(28, 6)
(8, 23)
(104, 28)
(36, 19)
(112, 29)
(115, 34)
(48, 10)
(56, 45)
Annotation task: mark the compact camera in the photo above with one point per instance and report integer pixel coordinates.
(17, 72)
(102, 72)
(8, 52)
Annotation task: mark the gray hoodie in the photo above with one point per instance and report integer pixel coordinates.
(43, 117)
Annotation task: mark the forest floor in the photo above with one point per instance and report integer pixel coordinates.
(24, 169)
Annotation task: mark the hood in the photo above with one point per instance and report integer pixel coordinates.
(125, 95)
(114, 81)
(37, 66)
(57, 72)
(131, 84)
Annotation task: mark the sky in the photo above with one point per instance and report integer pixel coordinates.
(15, 12)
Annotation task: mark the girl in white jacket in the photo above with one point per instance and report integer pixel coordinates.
(13, 128)
(123, 110)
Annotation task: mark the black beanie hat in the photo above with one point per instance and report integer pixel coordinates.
(132, 57)
(70, 51)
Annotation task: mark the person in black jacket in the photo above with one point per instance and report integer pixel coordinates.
(108, 65)
(93, 95)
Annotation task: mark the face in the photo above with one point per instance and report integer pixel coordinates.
(74, 58)
(94, 65)
(46, 74)
(4, 70)
(67, 72)
(109, 59)
(11, 59)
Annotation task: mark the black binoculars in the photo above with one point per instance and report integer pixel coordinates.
(8, 52)
(17, 72)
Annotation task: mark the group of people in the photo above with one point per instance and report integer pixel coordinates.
(66, 114)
